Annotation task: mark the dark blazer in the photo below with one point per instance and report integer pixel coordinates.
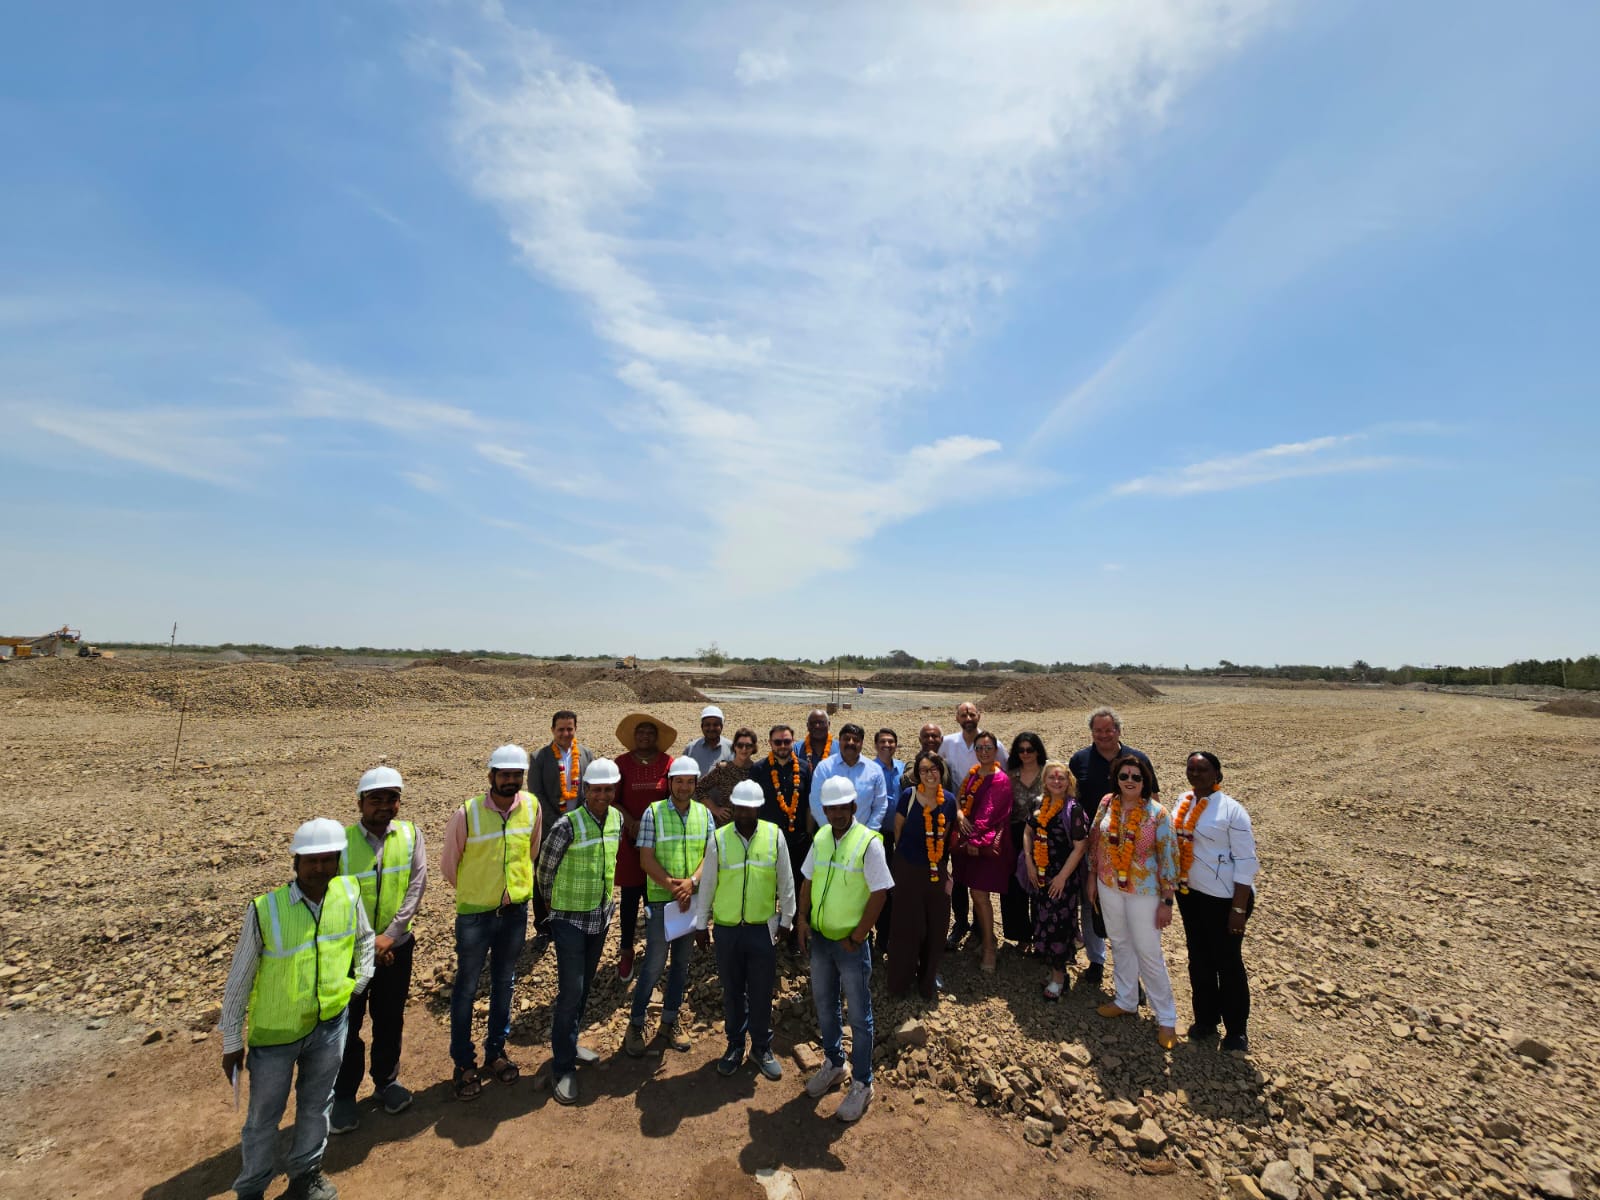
(546, 780)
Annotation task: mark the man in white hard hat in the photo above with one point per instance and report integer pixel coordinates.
(709, 748)
(305, 949)
(674, 836)
(386, 858)
(747, 887)
(847, 880)
(490, 847)
(577, 869)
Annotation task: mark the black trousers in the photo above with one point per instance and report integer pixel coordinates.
(385, 1000)
(632, 898)
(1016, 906)
(1216, 962)
(960, 907)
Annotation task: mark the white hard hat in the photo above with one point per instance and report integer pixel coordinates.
(380, 777)
(602, 771)
(684, 765)
(711, 710)
(319, 836)
(837, 790)
(747, 794)
(509, 758)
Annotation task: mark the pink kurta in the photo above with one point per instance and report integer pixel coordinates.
(996, 859)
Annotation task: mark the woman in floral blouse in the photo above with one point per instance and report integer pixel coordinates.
(1134, 881)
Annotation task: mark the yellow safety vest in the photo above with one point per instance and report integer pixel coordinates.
(307, 959)
(383, 882)
(747, 877)
(495, 860)
(839, 891)
(680, 844)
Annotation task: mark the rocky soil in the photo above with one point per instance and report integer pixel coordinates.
(1423, 955)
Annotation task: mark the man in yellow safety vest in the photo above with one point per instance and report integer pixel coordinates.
(490, 847)
(305, 949)
(747, 887)
(846, 882)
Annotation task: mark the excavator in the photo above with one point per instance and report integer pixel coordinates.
(48, 645)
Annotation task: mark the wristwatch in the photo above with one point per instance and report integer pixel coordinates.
(1168, 902)
(1238, 910)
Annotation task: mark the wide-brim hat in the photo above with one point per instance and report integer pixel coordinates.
(665, 734)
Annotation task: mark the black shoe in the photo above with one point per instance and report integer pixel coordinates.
(540, 945)
(1201, 1033)
(1094, 973)
(731, 1061)
(1236, 1042)
(956, 934)
(313, 1185)
(1143, 999)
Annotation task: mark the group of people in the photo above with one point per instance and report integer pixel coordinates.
(1080, 852)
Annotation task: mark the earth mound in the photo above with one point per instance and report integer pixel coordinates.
(770, 674)
(1036, 693)
(604, 691)
(1571, 708)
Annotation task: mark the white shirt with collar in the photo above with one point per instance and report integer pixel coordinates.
(1224, 846)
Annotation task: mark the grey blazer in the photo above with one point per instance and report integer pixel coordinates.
(546, 781)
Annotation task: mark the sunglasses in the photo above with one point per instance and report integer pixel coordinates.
(782, 741)
(744, 745)
(1131, 777)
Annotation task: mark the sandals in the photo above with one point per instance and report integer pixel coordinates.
(504, 1070)
(466, 1083)
(1052, 990)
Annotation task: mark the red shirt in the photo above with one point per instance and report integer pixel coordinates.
(642, 785)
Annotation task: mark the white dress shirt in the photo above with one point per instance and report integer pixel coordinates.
(1224, 846)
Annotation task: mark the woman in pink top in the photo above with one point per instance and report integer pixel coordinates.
(985, 857)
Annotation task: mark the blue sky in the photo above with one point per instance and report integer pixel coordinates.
(1162, 332)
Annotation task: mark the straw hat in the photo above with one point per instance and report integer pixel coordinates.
(666, 734)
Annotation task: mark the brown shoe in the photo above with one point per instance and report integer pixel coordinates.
(1167, 1036)
(1111, 1010)
(677, 1036)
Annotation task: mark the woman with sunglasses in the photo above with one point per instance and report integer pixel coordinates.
(1026, 768)
(1134, 881)
(715, 789)
(986, 857)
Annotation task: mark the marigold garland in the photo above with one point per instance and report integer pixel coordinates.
(1183, 826)
(1122, 844)
(933, 828)
(969, 786)
(1049, 806)
(827, 749)
(568, 793)
(790, 804)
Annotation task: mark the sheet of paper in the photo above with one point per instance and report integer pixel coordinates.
(677, 922)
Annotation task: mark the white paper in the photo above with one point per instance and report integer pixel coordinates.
(236, 1089)
(676, 921)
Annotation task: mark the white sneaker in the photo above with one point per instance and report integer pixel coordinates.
(855, 1101)
(824, 1080)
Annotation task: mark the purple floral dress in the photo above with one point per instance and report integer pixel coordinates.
(1055, 929)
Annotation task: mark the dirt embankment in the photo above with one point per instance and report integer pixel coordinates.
(1036, 693)
(1571, 708)
(770, 675)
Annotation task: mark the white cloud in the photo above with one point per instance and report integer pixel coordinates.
(777, 270)
(761, 66)
(423, 482)
(1251, 468)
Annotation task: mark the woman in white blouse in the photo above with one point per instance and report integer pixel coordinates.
(1216, 893)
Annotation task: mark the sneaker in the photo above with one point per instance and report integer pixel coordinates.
(855, 1102)
(313, 1185)
(625, 965)
(677, 1036)
(396, 1099)
(824, 1081)
(731, 1060)
(1236, 1043)
(343, 1118)
(1201, 1033)
(1095, 973)
(587, 1056)
(767, 1063)
(566, 1089)
(633, 1045)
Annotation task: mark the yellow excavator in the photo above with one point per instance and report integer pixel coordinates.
(48, 645)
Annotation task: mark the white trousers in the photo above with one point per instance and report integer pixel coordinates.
(1136, 953)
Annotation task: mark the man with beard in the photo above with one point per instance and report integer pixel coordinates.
(785, 783)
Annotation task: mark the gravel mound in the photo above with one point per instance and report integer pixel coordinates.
(769, 675)
(660, 687)
(1036, 693)
(1571, 708)
(604, 691)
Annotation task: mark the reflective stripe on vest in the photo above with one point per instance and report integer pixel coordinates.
(304, 976)
(747, 877)
(680, 845)
(384, 882)
(839, 891)
(495, 861)
(589, 867)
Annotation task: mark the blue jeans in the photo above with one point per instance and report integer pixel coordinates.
(317, 1056)
(655, 954)
(747, 961)
(1092, 941)
(577, 959)
(498, 936)
(839, 975)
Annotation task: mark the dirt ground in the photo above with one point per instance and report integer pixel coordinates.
(1423, 964)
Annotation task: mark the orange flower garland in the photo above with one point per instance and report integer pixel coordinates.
(1049, 806)
(568, 792)
(791, 803)
(933, 827)
(1183, 826)
(827, 749)
(969, 786)
(1123, 843)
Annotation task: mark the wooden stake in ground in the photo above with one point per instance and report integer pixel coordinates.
(181, 713)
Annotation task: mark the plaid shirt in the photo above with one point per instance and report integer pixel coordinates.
(596, 920)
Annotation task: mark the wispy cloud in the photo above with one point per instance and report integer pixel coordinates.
(778, 261)
(1252, 468)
